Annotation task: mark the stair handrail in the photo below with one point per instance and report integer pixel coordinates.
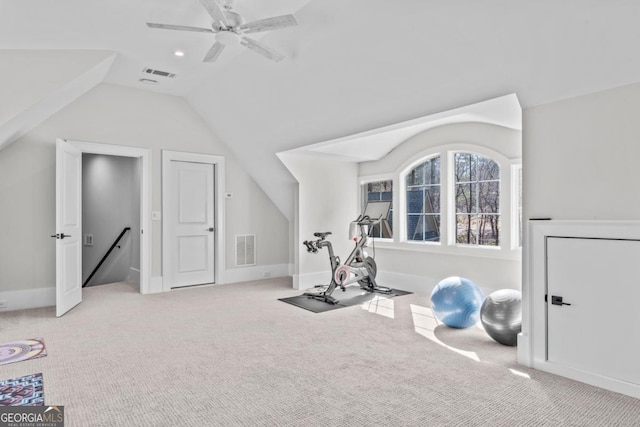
(115, 243)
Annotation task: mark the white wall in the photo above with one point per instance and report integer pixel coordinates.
(581, 157)
(327, 200)
(124, 116)
(418, 268)
(108, 205)
(580, 163)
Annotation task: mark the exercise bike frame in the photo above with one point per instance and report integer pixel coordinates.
(357, 268)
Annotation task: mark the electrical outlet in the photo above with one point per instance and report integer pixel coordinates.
(266, 274)
(3, 304)
(88, 239)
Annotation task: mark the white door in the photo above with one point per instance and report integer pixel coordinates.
(68, 227)
(595, 327)
(192, 223)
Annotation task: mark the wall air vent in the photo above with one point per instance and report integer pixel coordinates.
(245, 249)
(159, 73)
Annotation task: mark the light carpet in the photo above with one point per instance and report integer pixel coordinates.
(234, 355)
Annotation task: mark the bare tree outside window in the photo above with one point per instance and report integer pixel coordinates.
(423, 201)
(477, 186)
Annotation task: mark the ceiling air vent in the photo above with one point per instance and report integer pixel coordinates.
(158, 73)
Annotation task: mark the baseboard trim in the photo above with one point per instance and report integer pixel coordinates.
(156, 285)
(406, 282)
(134, 276)
(29, 298)
(246, 274)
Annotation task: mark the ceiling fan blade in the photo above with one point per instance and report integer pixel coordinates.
(178, 27)
(267, 24)
(215, 12)
(261, 49)
(214, 52)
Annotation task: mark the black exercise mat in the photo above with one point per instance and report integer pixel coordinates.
(353, 295)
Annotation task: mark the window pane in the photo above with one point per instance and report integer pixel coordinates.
(489, 197)
(462, 167)
(466, 198)
(433, 176)
(466, 167)
(520, 206)
(487, 169)
(376, 191)
(432, 200)
(415, 201)
(432, 228)
(424, 228)
(489, 230)
(412, 227)
(466, 226)
(415, 177)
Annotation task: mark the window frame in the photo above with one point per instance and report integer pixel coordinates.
(447, 245)
(403, 177)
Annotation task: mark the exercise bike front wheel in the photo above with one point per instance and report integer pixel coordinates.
(372, 269)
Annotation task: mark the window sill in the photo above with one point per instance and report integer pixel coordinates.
(442, 249)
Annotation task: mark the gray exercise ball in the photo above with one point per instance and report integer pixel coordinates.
(501, 316)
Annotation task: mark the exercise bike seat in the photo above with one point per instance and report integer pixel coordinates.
(322, 235)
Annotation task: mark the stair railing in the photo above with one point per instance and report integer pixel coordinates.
(104, 258)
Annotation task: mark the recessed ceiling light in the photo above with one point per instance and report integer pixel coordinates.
(178, 53)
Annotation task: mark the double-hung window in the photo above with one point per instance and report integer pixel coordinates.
(423, 201)
(477, 200)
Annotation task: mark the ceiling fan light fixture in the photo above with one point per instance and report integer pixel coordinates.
(228, 38)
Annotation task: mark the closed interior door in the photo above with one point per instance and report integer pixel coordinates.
(192, 223)
(596, 326)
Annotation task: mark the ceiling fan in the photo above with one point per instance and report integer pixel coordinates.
(230, 29)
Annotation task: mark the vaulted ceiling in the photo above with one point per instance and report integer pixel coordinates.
(350, 66)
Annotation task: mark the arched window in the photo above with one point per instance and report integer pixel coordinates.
(477, 200)
(423, 201)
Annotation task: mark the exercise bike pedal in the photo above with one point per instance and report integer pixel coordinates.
(316, 290)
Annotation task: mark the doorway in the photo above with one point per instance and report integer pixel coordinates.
(110, 219)
(69, 236)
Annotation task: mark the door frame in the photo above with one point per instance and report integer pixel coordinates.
(219, 220)
(144, 154)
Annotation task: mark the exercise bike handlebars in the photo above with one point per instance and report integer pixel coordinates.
(367, 220)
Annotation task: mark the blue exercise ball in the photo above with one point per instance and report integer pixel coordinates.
(501, 316)
(456, 301)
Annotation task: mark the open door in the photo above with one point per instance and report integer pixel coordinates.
(68, 227)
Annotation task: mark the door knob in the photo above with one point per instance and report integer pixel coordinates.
(556, 300)
(60, 236)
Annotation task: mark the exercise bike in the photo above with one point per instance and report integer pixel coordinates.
(358, 267)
